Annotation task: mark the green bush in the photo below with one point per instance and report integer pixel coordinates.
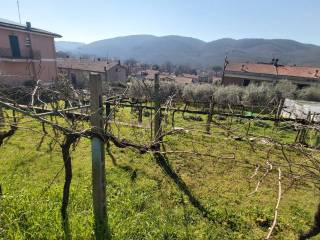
(197, 92)
(257, 95)
(285, 89)
(311, 93)
(232, 94)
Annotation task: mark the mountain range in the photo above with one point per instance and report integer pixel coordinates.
(195, 52)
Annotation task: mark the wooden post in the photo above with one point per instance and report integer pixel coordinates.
(2, 122)
(151, 124)
(157, 108)
(140, 110)
(108, 111)
(209, 120)
(98, 159)
(108, 115)
(278, 114)
(302, 133)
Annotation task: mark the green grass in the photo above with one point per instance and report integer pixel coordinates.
(149, 205)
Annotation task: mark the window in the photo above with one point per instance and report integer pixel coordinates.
(14, 44)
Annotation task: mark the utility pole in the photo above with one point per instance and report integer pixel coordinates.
(18, 5)
(98, 159)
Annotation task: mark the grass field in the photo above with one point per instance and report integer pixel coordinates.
(143, 202)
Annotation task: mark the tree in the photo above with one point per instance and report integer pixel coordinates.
(168, 67)
(217, 69)
(131, 62)
(310, 93)
(285, 89)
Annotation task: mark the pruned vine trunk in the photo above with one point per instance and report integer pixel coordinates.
(4, 135)
(315, 229)
(65, 148)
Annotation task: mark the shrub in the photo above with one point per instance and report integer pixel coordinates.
(140, 90)
(257, 95)
(232, 95)
(197, 92)
(145, 90)
(311, 93)
(170, 89)
(285, 89)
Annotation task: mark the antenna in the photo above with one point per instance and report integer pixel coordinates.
(19, 11)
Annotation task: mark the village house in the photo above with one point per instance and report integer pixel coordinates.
(27, 54)
(78, 70)
(204, 77)
(166, 77)
(244, 74)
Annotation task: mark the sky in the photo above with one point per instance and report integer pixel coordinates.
(92, 20)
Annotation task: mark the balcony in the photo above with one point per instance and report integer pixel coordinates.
(24, 54)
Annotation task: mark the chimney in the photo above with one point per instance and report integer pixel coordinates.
(316, 74)
(242, 68)
(28, 24)
(105, 68)
(119, 62)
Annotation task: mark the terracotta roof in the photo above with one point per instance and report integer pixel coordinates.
(85, 65)
(190, 76)
(150, 73)
(13, 25)
(183, 79)
(306, 72)
(291, 71)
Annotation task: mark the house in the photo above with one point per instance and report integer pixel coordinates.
(166, 77)
(204, 77)
(147, 74)
(186, 79)
(245, 73)
(78, 70)
(26, 54)
(194, 78)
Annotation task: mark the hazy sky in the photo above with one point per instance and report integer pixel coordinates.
(90, 20)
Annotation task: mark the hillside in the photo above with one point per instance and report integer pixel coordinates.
(186, 50)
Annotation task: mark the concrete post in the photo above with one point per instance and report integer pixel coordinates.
(98, 159)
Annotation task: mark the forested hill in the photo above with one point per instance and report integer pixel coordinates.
(195, 52)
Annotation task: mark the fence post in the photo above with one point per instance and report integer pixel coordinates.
(302, 133)
(108, 112)
(140, 111)
(2, 121)
(157, 108)
(98, 159)
(210, 114)
(278, 114)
